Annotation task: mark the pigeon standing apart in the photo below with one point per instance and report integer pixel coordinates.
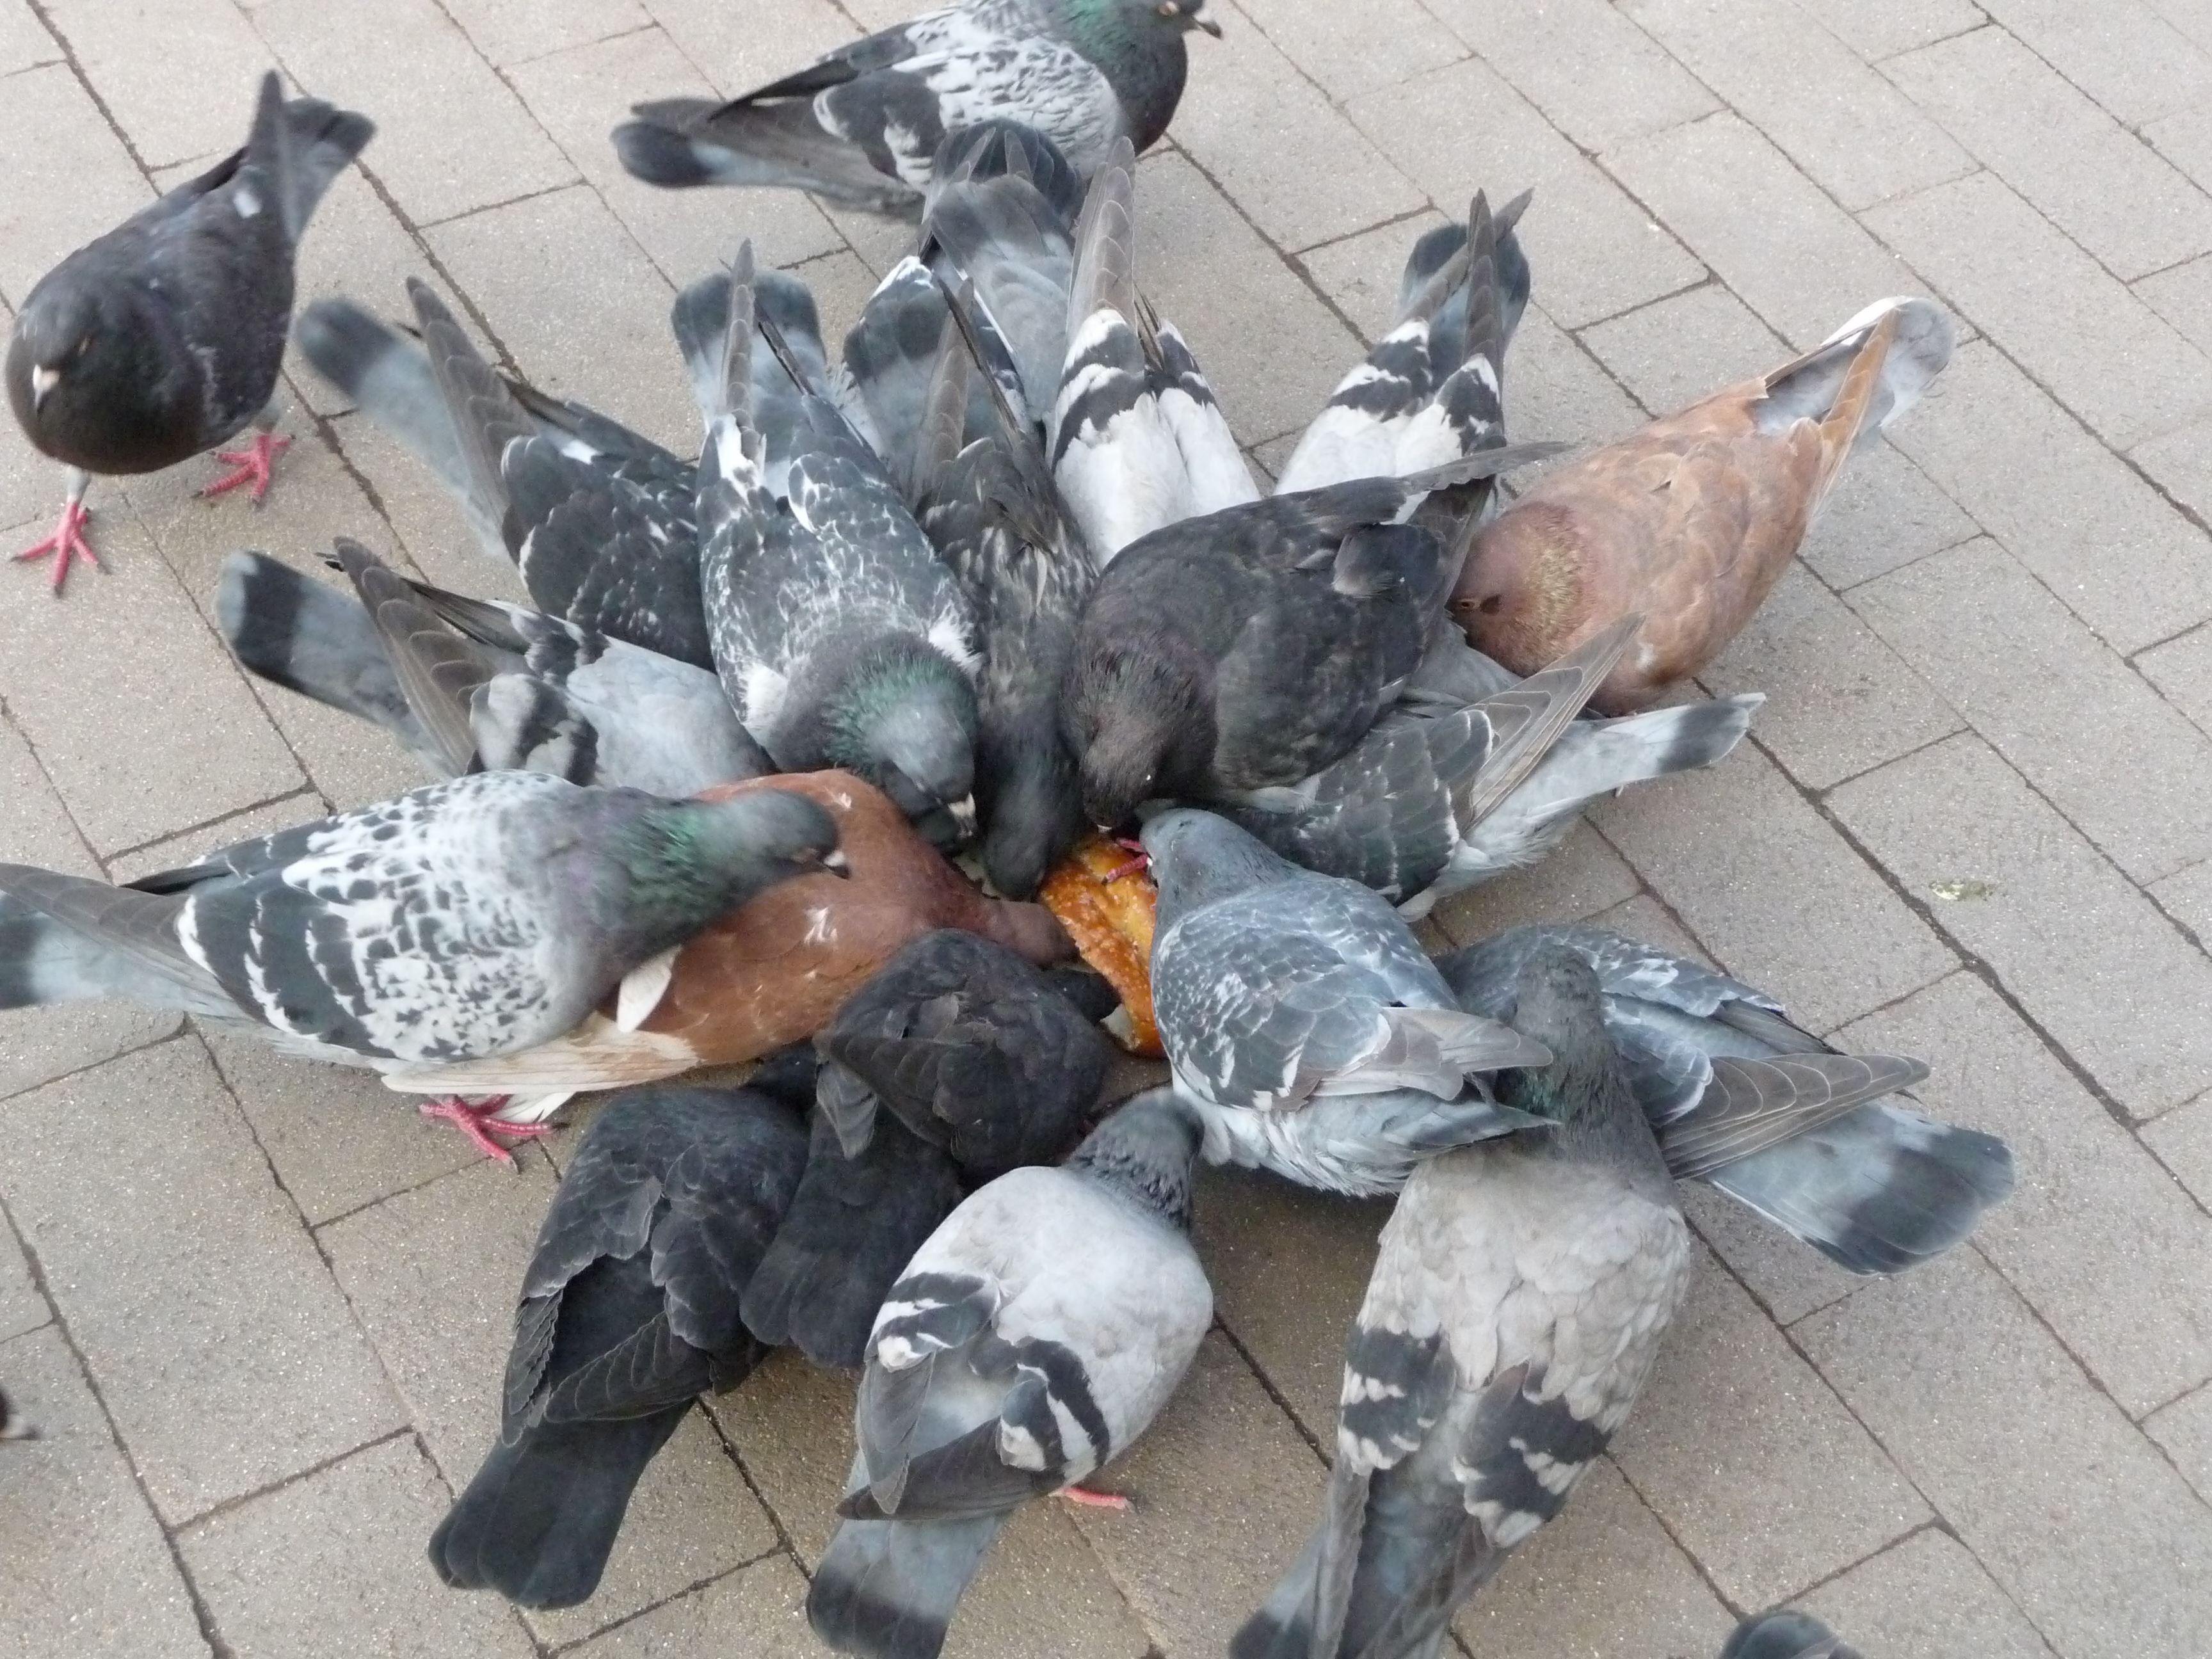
(1515, 1308)
(164, 338)
(1786, 1633)
(1776, 1119)
(1303, 1020)
(629, 1311)
(465, 919)
(862, 125)
(467, 684)
(1035, 1336)
(1690, 520)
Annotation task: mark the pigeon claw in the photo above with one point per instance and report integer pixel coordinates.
(1128, 844)
(1097, 1500)
(477, 1123)
(255, 466)
(67, 544)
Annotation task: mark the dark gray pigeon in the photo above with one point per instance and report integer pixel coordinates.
(1786, 1633)
(1515, 1308)
(861, 126)
(1033, 1337)
(1256, 644)
(165, 337)
(971, 1049)
(1778, 1120)
(474, 918)
(841, 639)
(857, 1219)
(13, 1427)
(629, 1312)
(469, 685)
(1301, 1019)
(1138, 440)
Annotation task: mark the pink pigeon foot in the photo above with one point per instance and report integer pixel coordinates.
(254, 466)
(478, 1124)
(1097, 1500)
(1128, 844)
(67, 544)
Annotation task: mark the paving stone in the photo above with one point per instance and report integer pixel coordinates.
(2185, 1430)
(2176, 461)
(1360, 273)
(515, 32)
(2093, 1210)
(1275, 143)
(1201, 265)
(2186, 140)
(40, 1044)
(2181, 668)
(841, 284)
(450, 137)
(1970, 620)
(1753, 870)
(1982, 1409)
(740, 48)
(1678, 349)
(1855, 136)
(69, 176)
(1555, 389)
(880, 242)
(2187, 897)
(761, 1608)
(432, 536)
(1602, 1580)
(180, 76)
(2183, 1140)
(2104, 353)
(2121, 996)
(2060, 151)
(1884, 511)
(1730, 1415)
(1597, 252)
(89, 1574)
(536, 266)
(333, 1565)
(1596, 76)
(1225, 1493)
(1790, 254)
(21, 1308)
(1925, 1597)
(2034, 479)
(793, 1427)
(24, 40)
(2182, 295)
(1881, 28)
(31, 486)
(192, 845)
(1838, 701)
(1268, 460)
(1788, 1277)
(122, 759)
(226, 1355)
(1581, 878)
(2122, 53)
(434, 1274)
(1350, 50)
(581, 94)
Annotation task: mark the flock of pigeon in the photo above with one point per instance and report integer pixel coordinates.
(991, 580)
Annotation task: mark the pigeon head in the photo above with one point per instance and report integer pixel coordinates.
(1197, 857)
(1785, 1634)
(1141, 726)
(73, 361)
(1144, 1149)
(1558, 1001)
(1522, 581)
(1033, 816)
(895, 710)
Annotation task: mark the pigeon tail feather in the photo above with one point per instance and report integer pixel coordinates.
(887, 1589)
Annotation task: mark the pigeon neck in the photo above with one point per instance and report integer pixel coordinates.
(1141, 55)
(1584, 1091)
(678, 874)
(1143, 1153)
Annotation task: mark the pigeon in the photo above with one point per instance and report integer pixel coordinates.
(1444, 793)
(1517, 1303)
(1256, 644)
(629, 1312)
(1303, 1021)
(1139, 441)
(841, 639)
(1033, 1337)
(13, 1427)
(164, 338)
(599, 520)
(994, 516)
(470, 918)
(1431, 390)
(972, 1049)
(860, 127)
(1830, 1157)
(857, 1219)
(1690, 520)
(1786, 1633)
(467, 684)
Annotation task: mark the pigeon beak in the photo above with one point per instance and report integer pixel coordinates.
(43, 380)
(1208, 25)
(838, 865)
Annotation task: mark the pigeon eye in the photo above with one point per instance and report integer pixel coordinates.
(83, 346)
(1170, 7)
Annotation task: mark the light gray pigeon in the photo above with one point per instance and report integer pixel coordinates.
(479, 917)
(1139, 441)
(1516, 1306)
(1035, 1336)
(1778, 1120)
(470, 684)
(1786, 1633)
(862, 125)
(1301, 1019)
(841, 638)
